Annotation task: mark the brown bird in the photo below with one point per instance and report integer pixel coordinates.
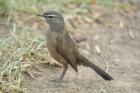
(63, 49)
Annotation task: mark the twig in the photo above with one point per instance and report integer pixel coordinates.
(106, 62)
(30, 74)
(80, 40)
(131, 34)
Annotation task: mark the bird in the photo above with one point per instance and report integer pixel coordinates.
(63, 48)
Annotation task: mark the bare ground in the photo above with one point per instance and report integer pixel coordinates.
(120, 49)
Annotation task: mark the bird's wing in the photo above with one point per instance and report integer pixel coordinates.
(64, 47)
(51, 45)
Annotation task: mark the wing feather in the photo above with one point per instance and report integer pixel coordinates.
(65, 49)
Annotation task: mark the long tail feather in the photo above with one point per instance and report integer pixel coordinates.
(99, 71)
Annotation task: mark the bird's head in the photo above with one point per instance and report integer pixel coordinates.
(54, 19)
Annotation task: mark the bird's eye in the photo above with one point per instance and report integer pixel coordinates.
(49, 16)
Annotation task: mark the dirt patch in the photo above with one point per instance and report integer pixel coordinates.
(120, 47)
(116, 34)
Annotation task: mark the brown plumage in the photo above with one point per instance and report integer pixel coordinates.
(63, 49)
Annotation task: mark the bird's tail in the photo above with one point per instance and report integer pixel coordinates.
(99, 71)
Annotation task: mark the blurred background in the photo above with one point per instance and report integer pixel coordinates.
(107, 32)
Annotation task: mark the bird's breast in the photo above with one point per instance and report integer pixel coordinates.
(51, 38)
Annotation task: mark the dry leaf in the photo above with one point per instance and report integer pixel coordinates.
(93, 1)
(131, 34)
(98, 50)
(87, 20)
(121, 24)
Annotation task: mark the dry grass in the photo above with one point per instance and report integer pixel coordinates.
(16, 51)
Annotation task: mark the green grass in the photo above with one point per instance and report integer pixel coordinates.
(106, 3)
(35, 6)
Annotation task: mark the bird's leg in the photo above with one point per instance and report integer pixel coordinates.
(65, 67)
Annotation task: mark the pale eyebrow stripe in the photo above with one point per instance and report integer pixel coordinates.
(51, 15)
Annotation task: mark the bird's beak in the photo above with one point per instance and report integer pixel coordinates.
(40, 15)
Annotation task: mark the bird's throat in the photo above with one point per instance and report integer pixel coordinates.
(56, 28)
